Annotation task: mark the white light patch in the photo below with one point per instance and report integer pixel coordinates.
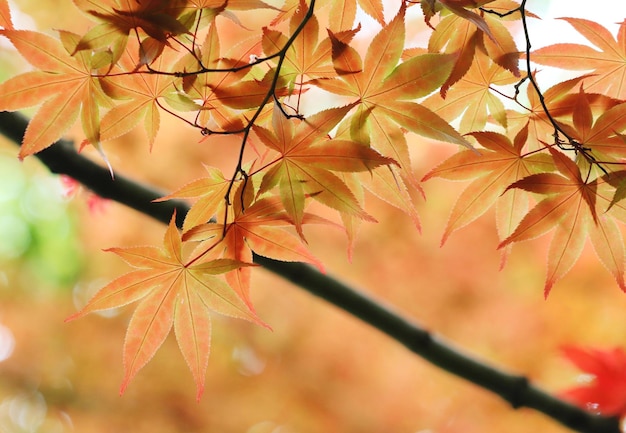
(7, 343)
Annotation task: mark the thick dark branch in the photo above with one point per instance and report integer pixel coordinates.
(62, 158)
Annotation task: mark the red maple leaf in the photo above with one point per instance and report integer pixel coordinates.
(606, 393)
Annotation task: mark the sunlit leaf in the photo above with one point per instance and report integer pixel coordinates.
(172, 292)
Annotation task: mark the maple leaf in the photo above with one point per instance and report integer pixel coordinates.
(605, 392)
(570, 203)
(245, 94)
(608, 243)
(351, 223)
(244, 88)
(343, 14)
(473, 97)
(200, 87)
(209, 191)
(458, 7)
(305, 57)
(163, 21)
(63, 83)
(211, 8)
(431, 7)
(290, 7)
(307, 160)
(462, 38)
(497, 165)
(140, 95)
(172, 292)
(618, 180)
(605, 235)
(608, 64)
(383, 88)
(561, 103)
(197, 13)
(159, 20)
(5, 15)
(254, 226)
(600, 136)
(385, 182)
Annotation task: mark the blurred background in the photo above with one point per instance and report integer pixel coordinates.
(320, 370)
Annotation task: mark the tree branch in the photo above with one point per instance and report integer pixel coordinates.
(62, 158)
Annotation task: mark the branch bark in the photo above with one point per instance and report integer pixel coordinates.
(62, 158)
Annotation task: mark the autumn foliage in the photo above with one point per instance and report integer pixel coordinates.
(606, 387)
(320, 119)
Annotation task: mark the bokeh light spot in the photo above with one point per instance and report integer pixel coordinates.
(7, 343)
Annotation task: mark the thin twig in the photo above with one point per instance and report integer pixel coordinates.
(570, 143)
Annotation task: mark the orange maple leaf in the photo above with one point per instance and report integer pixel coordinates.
(201, 87)
(603, 147)
(156, 22)
(343, 14)
(63, 83)
(227, 86)
(608, 64)
(605, 393)
(458, 7)
(606, 235)
(473, 97)
(159, 20)
(245, 94)
(172, 292)
(307, 57)
(570, 203)
(385, 182)
(601, 135)
(383, 88)
(5, 15)
(288, 8)
(462, 37)
(307, 160)
(210, 193)
(253, 226)
(140, 95)
(561, 103)
(430, 8)
(496, 166)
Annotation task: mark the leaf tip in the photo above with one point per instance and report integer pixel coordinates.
(256, 319)
(547, 289)
(74, 316)
(502, 244)
(23, 154)
(200, 391)
(444, 238)
(504, 256)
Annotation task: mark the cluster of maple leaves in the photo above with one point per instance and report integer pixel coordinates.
(550, 164)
